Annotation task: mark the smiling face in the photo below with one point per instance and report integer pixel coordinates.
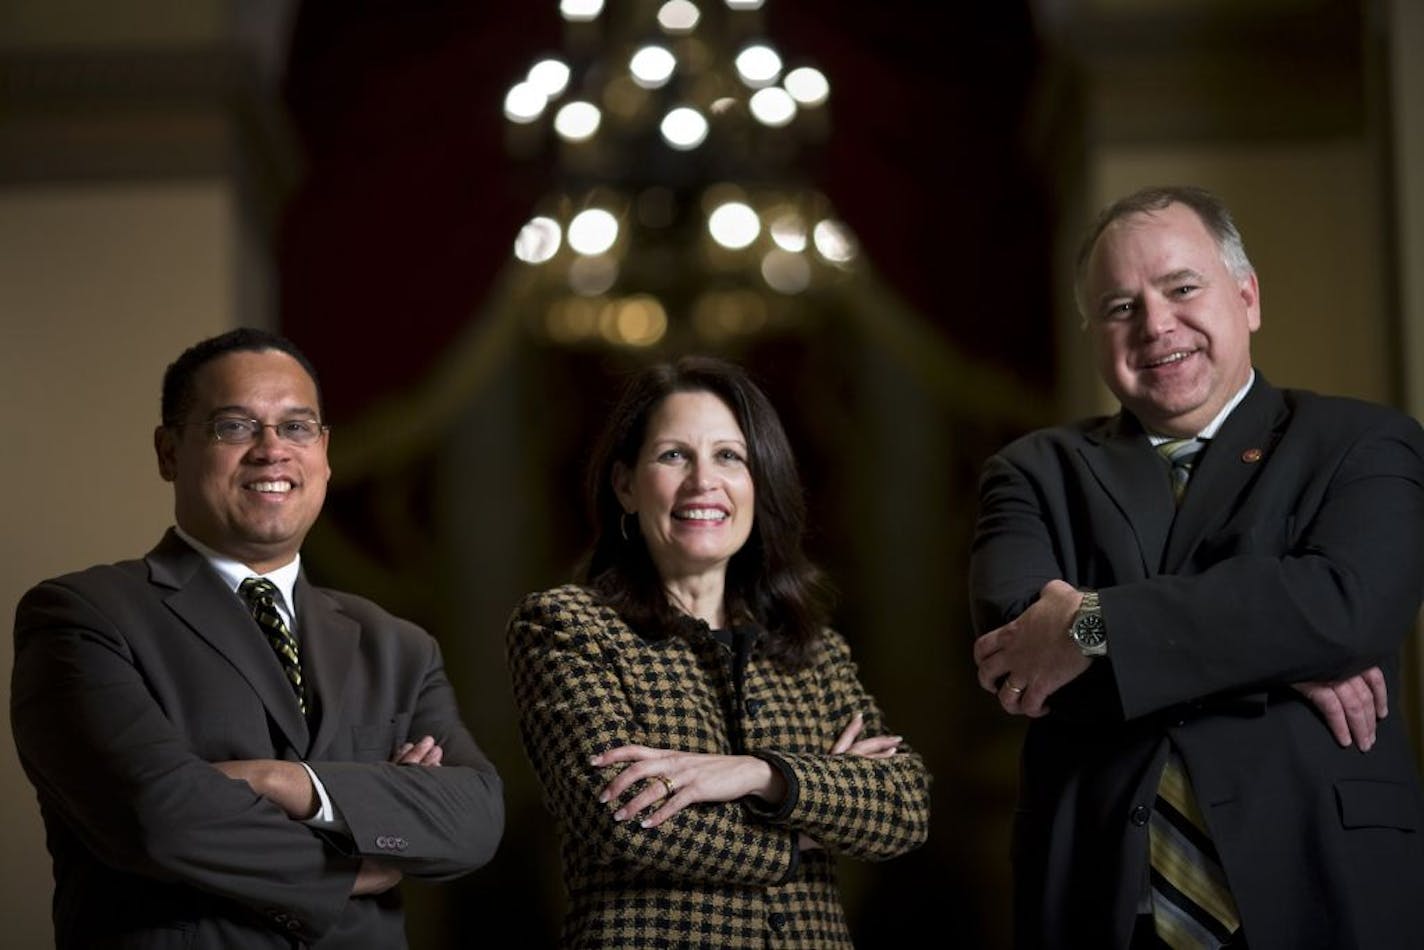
(252, 502)
(691, 487)
(1171, 324)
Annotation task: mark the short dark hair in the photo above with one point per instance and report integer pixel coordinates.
(1212, 211)
(769, 581)
(178, 378)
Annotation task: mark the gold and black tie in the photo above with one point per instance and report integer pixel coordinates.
(261, 597)
(1192, 905)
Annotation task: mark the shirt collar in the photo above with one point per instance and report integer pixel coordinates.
(1212, 427)
(234, 572)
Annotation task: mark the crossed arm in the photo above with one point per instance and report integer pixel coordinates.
(110, 762)
(288, 785)
(1317, 615)
(693, 777)
(599, 775)
(1033, 651)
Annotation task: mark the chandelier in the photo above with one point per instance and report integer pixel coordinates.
(678, 216)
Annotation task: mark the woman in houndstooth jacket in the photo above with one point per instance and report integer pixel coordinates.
(700, 734)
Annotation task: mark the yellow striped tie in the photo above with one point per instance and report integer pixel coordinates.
(261, 597)
(1192, 907)
(1182, 454)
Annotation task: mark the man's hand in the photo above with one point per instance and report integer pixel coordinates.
(1031, 657)
(285, 784)
(1352, 707)
(425, 752)
(373, 877)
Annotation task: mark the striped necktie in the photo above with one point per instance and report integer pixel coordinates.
(1182, 454)
(261, 597)
(1192, 905)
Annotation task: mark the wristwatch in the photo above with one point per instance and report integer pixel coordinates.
(1087, 628)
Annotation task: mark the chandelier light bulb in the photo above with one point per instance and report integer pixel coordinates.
(684, 128)
(808, 86)
(593, 231)
(773, 106)
(678, 16)
(758, 65)
(744, 4)
(834, 241)
(524, 103)
(789, 233)
(549, 76)
(785, 272)
(591, 276)
(734, 225)
(577, 121)
(652, 66)
(538, 240)
(580, 11)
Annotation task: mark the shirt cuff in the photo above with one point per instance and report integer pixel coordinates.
(326, 816)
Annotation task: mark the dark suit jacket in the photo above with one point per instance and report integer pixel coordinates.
(130, 678)
(1297, 554)
(719, 874)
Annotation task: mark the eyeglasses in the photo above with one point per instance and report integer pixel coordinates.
(234, 430)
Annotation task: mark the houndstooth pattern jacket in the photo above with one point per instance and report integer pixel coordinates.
(715, 874)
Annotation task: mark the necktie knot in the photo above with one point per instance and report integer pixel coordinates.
(1181, 454)
(258, 592)
(261, 597)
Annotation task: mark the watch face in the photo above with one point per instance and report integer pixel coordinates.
(1088, 630)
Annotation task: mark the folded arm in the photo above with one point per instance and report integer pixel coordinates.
(1318, 614)
(572, 708)
(866, 795)
(429, 822)
(110, 764)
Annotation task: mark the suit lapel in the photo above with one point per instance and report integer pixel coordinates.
(1226, 467)
(329, 640)
(199, 598)
(1135, 478)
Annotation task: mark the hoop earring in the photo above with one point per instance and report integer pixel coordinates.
(623, 525)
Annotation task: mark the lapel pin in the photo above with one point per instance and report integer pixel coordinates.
(1251, 456)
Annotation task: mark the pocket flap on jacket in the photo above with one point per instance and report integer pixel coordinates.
(1365, 804)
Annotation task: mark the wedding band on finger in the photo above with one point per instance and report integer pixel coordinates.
(1016, 690)
(667, 784)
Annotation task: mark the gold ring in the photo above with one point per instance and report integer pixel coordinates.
(667, 784)
(1015, 689)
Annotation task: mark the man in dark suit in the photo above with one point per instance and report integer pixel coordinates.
(230, 762)
(1200, 601)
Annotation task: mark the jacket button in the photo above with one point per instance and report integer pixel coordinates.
(777, 921)
(1141, 815)
(754, 706)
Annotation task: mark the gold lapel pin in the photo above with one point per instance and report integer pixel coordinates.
(1251, 456)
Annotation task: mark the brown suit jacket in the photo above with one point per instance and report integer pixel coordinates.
(130, 678)
(715, 874)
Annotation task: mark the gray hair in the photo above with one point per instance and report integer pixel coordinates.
(1208, 207)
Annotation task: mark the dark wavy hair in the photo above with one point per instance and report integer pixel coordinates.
(177, 396)
(769, 580)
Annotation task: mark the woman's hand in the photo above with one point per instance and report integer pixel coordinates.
(877, 747)
(673, 780)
